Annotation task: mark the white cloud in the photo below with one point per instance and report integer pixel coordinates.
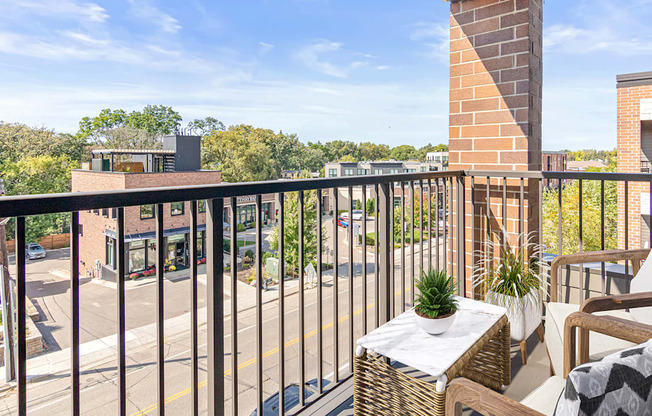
(381, 67)
(573, 39)
(434, 39)
(146, 11)
(264, 48)
(332, 59)
(90, 12)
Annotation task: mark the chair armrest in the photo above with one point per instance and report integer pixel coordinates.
(464, 392)
(627, 330)
(615, 302)
(635, 256)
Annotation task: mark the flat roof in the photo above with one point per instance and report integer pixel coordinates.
(634, 79)
(553, 152)
(133, 151)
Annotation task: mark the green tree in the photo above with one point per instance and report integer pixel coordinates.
(358, 204)
(205, 126)
(405, 152)
(155, 120)
(291, 231)
(312, 159)
(18, 141)
(39, 175)
(591, 222)
(370, 208)
(372, 151)
(432, 148)
(240, 153)
(284, 149)
(346, 158)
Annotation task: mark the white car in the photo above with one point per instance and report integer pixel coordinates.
(357, 215)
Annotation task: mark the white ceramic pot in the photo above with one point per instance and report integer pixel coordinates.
(435, 326)
(524, 315)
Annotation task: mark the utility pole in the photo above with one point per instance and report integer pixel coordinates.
(8, 309)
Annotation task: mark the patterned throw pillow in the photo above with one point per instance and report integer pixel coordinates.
(618, 385)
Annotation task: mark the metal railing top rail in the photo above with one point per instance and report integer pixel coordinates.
(24, 205)
(535, 174)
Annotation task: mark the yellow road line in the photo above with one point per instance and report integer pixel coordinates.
(247, 363)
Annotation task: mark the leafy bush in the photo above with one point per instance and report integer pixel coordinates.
(249, 253)
(241, 228)
(267, 255)
(435, 298)
(252, 224)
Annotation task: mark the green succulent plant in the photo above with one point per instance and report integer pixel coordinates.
(436, 290)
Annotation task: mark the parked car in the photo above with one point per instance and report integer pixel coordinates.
(343, 221)
(357, 215)
(34, 251)
(291, 394)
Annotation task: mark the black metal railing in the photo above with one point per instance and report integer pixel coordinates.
(440, 243)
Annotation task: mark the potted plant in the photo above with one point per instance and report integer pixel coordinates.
(513, 281)
(133, 276)
(435, 305)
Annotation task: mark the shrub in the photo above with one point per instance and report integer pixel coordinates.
(241, 228)
(267, 255)
(249, 253)
(252, 224)
(435, 298)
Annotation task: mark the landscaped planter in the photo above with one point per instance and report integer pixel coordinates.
(524, 314)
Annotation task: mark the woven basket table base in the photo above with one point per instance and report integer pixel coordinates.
(380, 389)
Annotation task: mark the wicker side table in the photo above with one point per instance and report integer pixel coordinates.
(382, 389)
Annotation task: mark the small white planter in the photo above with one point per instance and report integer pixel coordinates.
(435, 326)
(524, 314)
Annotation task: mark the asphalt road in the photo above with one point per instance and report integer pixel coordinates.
(99, 390)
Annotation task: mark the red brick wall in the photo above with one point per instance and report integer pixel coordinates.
(495, 111)
(629, 161)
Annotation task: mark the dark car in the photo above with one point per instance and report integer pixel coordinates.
(34, 251)
(291, 394)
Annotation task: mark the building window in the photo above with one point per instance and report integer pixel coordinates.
(378, 171)
(114, 213)
(105, 212)
(360, 171)
(136, 256)
(176, 208)
(348, 172)
(201, 205)
(146, 212)
(96, 211)
(151, 253)
(110, 252)
(393, 171)
(423, 168)
(332, 173)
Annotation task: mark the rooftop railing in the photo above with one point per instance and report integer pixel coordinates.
(416, 225)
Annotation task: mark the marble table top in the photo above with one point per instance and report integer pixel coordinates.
(403, 340)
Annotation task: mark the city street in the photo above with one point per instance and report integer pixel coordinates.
(99, 391)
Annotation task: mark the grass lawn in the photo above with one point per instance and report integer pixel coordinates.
(241, 243)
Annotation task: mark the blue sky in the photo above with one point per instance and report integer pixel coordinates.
(356, 70)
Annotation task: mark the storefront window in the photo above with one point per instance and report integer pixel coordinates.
(146, 212)
(200, 244)
(136, 256)
(201, 205)
(246, 214)
(151, 253)
(176, 208)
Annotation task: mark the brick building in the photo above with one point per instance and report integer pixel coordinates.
(118, 169)
(634, 156)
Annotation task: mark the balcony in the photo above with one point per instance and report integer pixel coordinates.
(238, 345)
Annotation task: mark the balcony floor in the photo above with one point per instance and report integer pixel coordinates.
(524, 378)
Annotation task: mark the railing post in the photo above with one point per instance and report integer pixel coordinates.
(461, 239)
(215, 304)
(385, 250)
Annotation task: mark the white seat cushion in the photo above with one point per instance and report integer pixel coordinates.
(642, 282)
(544, 398)
(599, 345)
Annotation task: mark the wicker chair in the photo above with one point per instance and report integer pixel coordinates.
(600, 345)
(542, 401)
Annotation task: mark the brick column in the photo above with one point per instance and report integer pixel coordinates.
(495, 111)
(634, 108)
